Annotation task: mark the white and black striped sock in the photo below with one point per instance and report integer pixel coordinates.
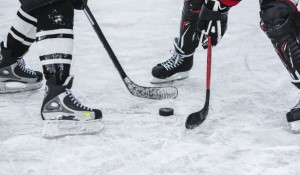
(22, 33)
(55, 46)
(54, 39)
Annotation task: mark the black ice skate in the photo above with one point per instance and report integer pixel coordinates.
(293, 117)
(64, 114)
(14, 76)
(175, 68)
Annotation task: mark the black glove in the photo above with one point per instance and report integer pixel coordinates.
(212, 21)
(79, 4)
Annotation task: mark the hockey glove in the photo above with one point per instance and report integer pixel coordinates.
(212, 21)
(79, 4)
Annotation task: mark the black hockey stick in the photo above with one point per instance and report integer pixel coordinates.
(195, 119)
(156, 93)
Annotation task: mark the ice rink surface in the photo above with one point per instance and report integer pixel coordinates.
(246, 132)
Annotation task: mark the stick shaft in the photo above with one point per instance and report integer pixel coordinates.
(208, 72)
(208, 69)
(104, 42)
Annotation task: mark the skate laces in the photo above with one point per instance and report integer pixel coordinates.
(76, 101)
(22, 65)
(176, 59)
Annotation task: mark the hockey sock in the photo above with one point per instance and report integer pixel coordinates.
(188, 41)
(21, 35)
(280, 21)
(55, 39)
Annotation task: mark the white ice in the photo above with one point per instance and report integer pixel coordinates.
(246, 132)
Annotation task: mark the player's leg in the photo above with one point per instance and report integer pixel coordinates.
(14, 76)
(280, 20)
(181, 61)
(55, 42)
(61, 110)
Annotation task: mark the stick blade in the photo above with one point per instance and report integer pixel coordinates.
(196, 119)
(155, 93)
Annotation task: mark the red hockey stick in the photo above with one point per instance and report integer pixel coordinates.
(195, 119)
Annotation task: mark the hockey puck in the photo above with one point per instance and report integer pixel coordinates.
(166, 111)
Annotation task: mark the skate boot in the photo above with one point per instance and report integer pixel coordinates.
(64, 114)
(175, 68)
(14, 76)
(293, 117)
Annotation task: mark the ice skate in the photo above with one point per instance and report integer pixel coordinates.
(64, 114)
(175, 68)
(14, 76)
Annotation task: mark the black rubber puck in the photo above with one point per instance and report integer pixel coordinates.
(166, 111)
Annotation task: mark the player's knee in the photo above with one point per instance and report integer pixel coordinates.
(192, 8)
(55, 16)
(274, 14)
(194, 5)
(279, 19)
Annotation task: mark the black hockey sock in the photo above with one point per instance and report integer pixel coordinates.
(55, 39)
(280, 21)
(21, 34)
(187, 40)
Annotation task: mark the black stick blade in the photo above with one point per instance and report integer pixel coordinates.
(195, 119)
(155, 93)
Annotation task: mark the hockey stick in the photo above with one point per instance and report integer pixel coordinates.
(156, 93)
(195, 119)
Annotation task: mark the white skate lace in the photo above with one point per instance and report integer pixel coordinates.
(22, 65)
(76, 101)
(176, 58)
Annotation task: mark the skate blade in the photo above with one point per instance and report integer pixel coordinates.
(12, 87)
(295, 127)
(177, 76)
(60, 128)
